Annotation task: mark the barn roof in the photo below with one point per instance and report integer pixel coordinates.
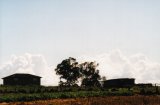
(21, 75)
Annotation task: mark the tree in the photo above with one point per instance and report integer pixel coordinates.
(68, 70)
(90, 74)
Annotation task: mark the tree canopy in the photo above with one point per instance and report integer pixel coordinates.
(70, 71)
(90, 75)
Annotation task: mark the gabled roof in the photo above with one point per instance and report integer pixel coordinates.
(21, 75)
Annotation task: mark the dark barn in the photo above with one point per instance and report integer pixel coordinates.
(21, 79)
(121, 82)
(144, 85)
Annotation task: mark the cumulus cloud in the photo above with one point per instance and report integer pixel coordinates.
(115, 64)
(32, 64)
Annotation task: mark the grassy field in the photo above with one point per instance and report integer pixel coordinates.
(12, 97)
(32, 93)
(107, 100)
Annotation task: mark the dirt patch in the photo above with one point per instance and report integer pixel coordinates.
(110, 100)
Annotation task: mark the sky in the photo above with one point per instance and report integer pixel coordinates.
(121, 35)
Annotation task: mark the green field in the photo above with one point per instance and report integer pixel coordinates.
(31, 93)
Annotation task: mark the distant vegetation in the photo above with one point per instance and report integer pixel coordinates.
(30, 93)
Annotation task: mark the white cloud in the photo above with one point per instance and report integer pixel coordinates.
(33, 64)
(115, 64)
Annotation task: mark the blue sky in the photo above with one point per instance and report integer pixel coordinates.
(58, 29)
(62, 28)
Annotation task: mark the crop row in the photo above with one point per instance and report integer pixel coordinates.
(13, 97)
